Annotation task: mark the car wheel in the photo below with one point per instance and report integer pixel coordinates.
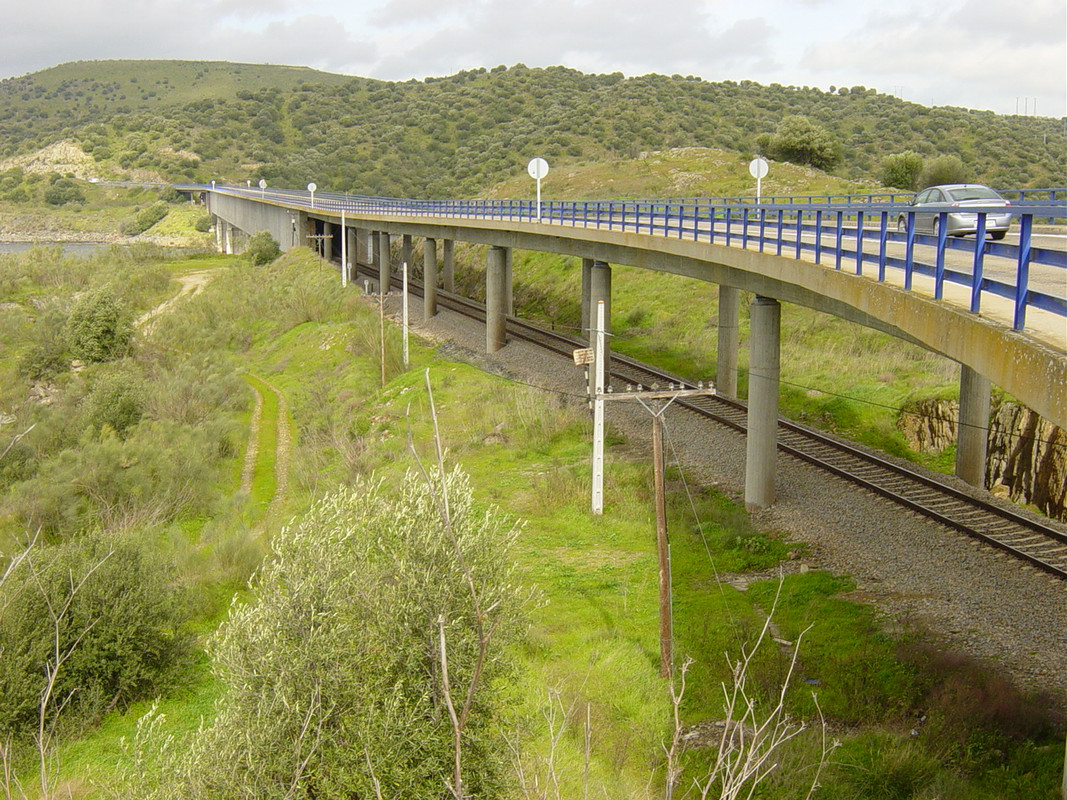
(902, 225)
(997, 235)
(937, 228)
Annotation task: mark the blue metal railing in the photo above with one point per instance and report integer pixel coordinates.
(850, 231)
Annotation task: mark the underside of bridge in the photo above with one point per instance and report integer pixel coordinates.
(1031, 371)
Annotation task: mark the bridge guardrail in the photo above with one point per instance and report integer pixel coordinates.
(834, 229)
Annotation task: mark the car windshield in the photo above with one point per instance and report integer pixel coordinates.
(974, 193)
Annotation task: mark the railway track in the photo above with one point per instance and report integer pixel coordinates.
(1039, 543)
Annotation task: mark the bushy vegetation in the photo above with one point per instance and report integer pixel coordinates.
(456, 135)
(262, 248)
(145, 219)
(98, 328)
(801, 141)
(340, 671)
(87, 626)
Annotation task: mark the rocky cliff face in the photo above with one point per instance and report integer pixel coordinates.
(1027, 458)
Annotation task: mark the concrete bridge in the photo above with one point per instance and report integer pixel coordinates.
(998, 309)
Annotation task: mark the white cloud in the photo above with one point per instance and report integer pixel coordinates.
(972, 54)
(959, 52)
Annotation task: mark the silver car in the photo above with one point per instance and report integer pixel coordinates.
(953, 199)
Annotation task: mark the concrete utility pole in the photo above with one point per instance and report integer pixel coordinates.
(344, 252)
(598, 412)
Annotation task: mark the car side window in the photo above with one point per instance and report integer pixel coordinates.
(937, 196)
(922, 197)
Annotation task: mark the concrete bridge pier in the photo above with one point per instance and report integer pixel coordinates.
(508, 276)
(448, 265)
(361, 254)
(763, 378)
(726, 357)
(381, 259)
(352, 250)
(587, 271)
(600, 289)
(328, 229)
(227, 238)
(218, 234)
(972, 431)
(429, 278)
(405, 251)
(496, 300)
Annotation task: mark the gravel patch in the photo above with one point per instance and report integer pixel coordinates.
(911, 569)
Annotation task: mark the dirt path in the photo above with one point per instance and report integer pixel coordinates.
(191, 283)
(282, 441)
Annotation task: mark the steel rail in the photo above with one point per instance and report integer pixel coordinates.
(1041, 544)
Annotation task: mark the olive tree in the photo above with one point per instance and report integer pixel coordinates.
(336, 669)
(802, 141)
(902, 170)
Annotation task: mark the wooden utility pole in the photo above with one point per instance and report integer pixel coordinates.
(666, 620)
(641, 395)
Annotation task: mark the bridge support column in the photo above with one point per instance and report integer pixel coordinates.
(218, 234)
(972, 432)
(364, 253)
(763, 378)
(373, 251)
(496, 301)
(328, 229)
(448, 265)
(297, 239)
(510, 289)
(726, 358)
(587, 271)
(405, 251)
(429, 278)
(382, 258)
(227, 238)
(600, 289)
(351, 246)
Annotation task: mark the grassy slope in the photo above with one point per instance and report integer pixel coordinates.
(593, 646)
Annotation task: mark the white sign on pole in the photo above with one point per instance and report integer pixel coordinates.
(758, 169)
(311, 188)
(538, 168)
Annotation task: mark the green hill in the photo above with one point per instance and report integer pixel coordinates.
(458, 135)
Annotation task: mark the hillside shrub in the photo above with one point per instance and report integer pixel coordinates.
(944, 169)
(160, 472)
(902, 170)
(262, 248)
(335, 664)
(144, 219)
(122, 630)
(61, 191)
(116, 402)
(801, 141)
(99, 327)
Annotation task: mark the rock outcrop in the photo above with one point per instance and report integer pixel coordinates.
(1027, 457)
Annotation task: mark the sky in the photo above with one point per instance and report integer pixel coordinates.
(1000, 56)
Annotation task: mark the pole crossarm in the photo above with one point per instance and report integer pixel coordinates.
(662, 394)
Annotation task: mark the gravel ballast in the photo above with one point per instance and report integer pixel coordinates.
(980, 601)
